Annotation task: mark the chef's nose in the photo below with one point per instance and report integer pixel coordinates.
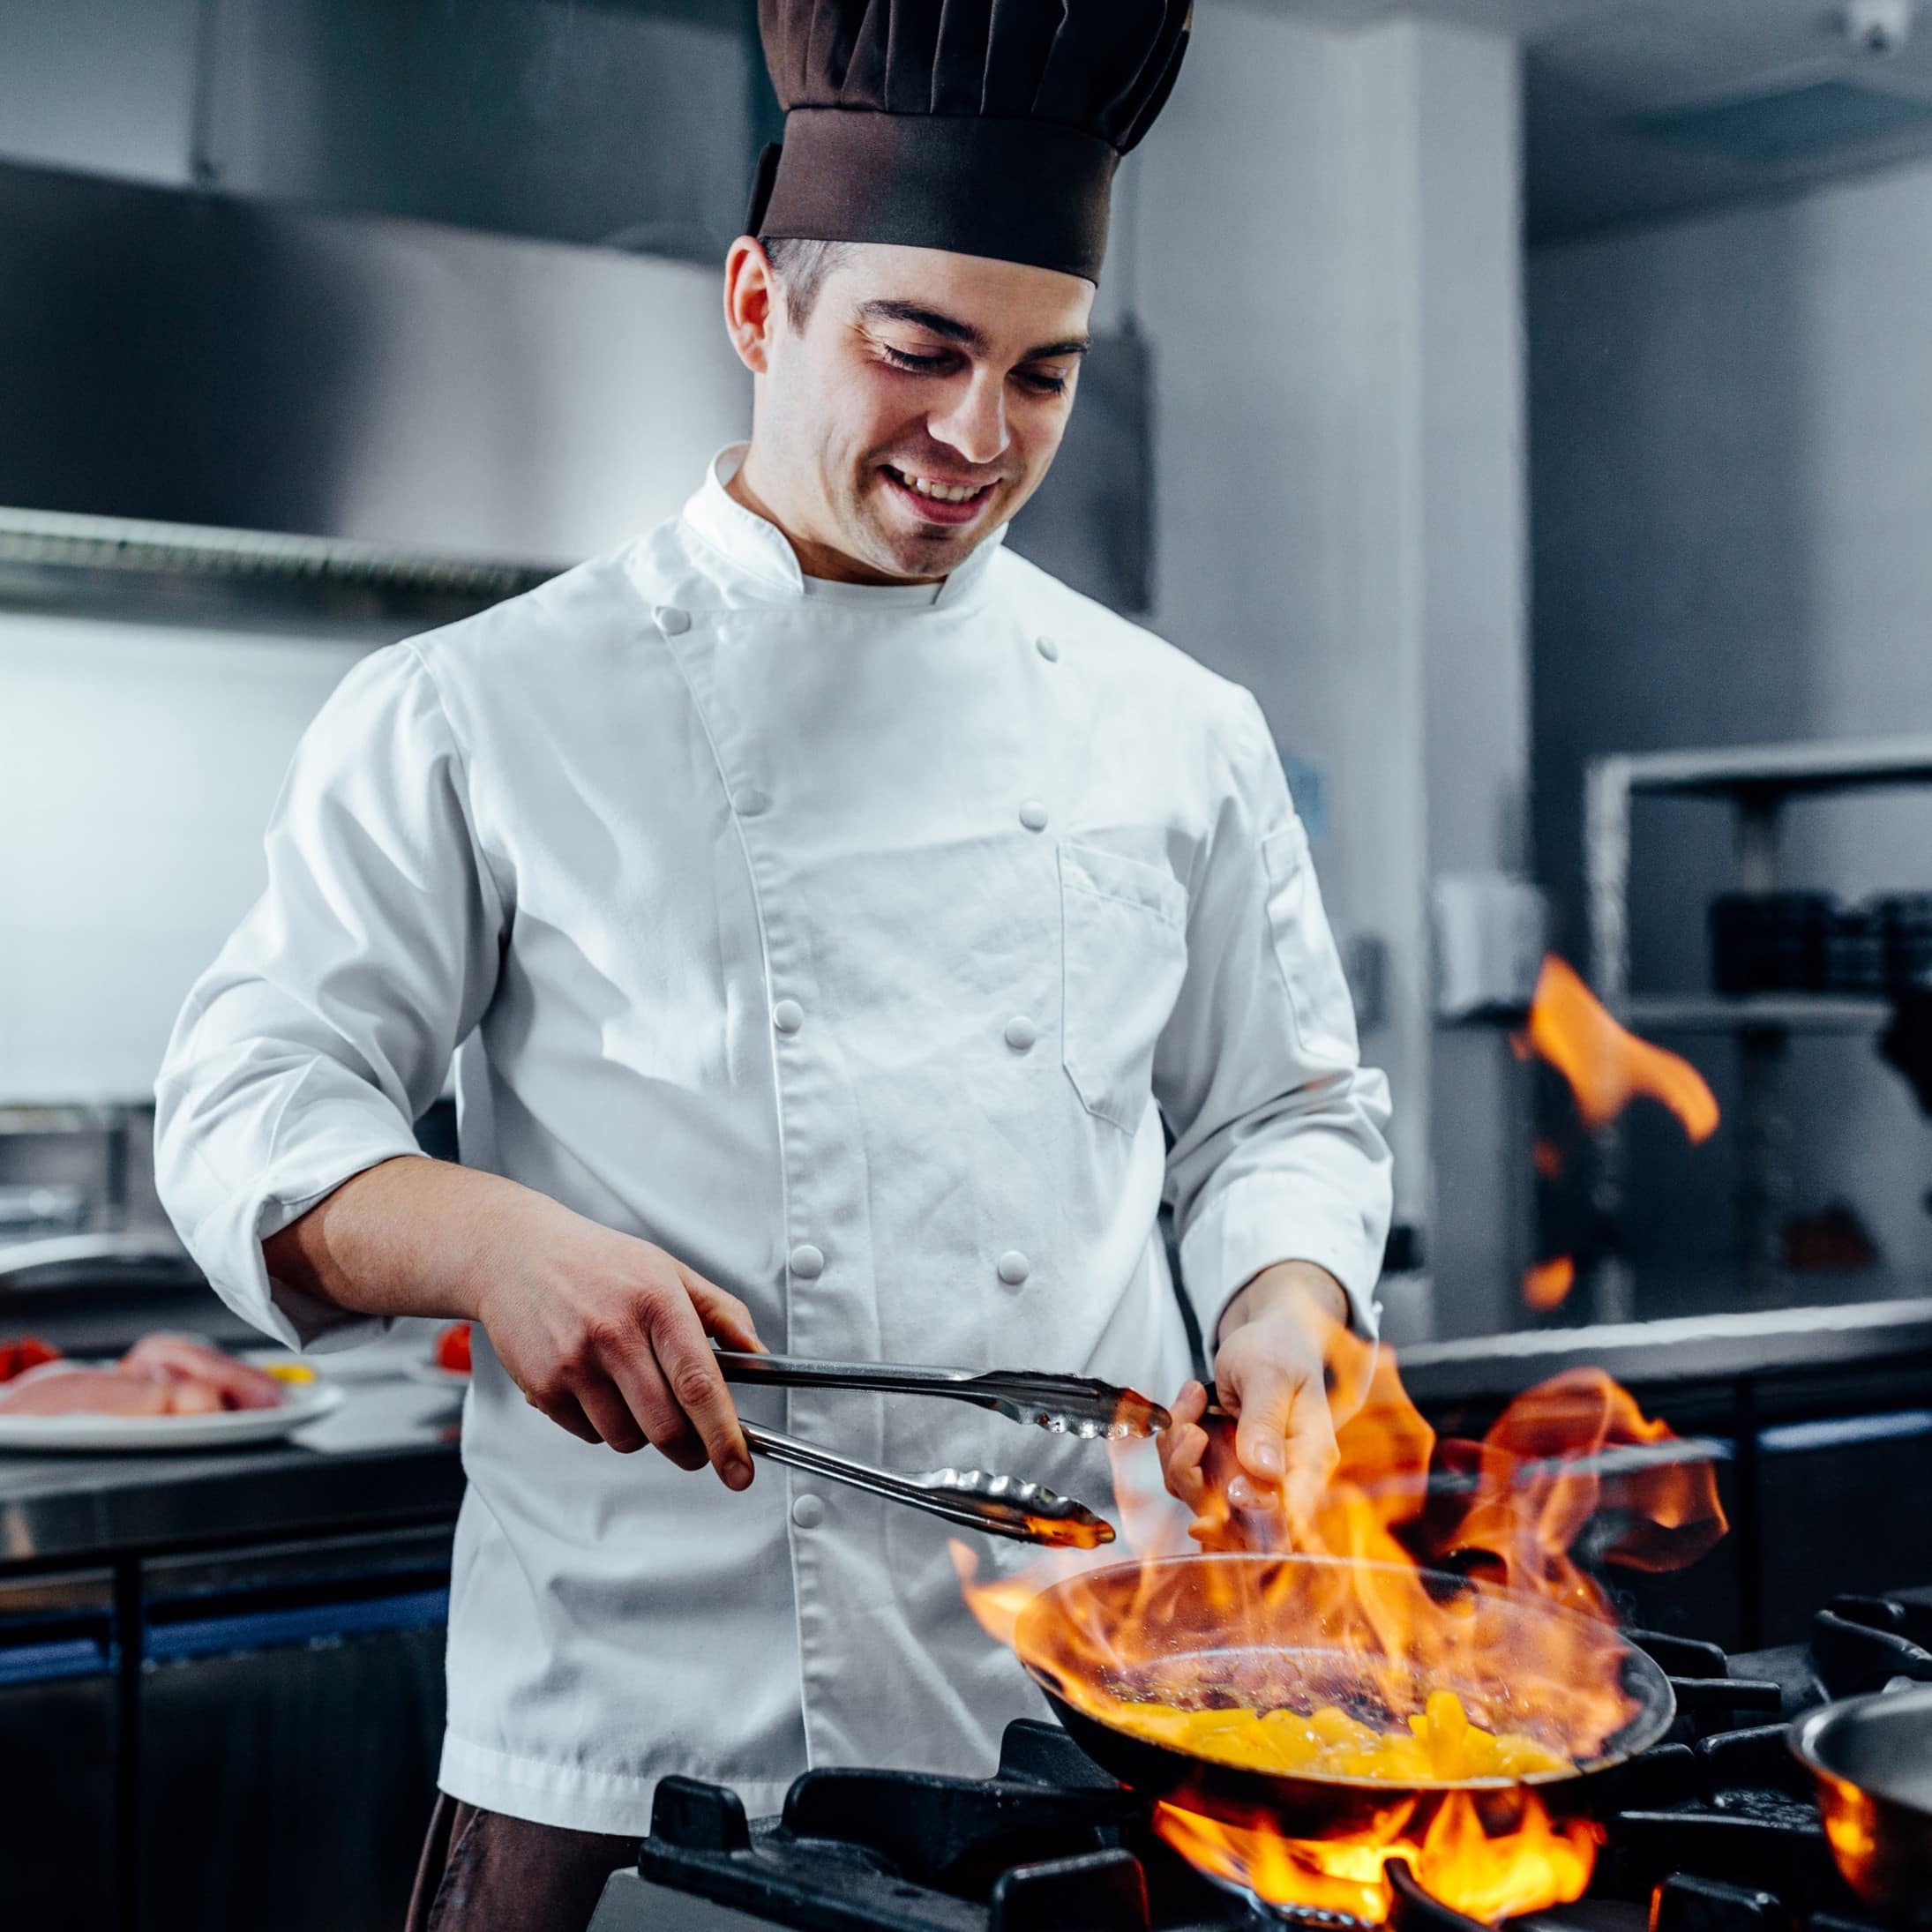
(976, 422)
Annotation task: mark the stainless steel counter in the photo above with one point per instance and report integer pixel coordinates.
(387, 1455)
(1704, 1347)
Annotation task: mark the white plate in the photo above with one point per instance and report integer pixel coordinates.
(302, 1404)
(433, 1373)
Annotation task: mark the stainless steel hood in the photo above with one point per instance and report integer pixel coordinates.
(189, 359)
(426, 417)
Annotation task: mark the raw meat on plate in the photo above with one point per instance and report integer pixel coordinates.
(161, 1374)
(182, 1359)
(60, 1390)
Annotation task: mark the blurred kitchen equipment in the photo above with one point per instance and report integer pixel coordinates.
(1855, 952)
(1490, 932)
(41, 1208)
(1906, 919)
(1773, 942)
(140, 1258)
(1364, 966)
(1755, 784)
(1769, 942)
(1870, 1759)
(1906, 1043)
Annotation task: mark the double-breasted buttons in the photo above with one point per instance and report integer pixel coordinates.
(788, 1016)
(751, 803)
(1013, 1268)
(808, 1511)
(1020, 1033)
(1033, 815)
(807, 1262)
(672, 621)
(1047, 649)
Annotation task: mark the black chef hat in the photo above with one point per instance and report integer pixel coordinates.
(984, 127)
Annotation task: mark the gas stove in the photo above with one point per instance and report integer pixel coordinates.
(1712, 1830)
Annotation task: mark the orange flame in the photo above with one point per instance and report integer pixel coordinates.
(1606, 1065)
(1531, 1863)
(1548, 1283)
(1354, 1618)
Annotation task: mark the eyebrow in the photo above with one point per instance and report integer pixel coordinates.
(936, 322)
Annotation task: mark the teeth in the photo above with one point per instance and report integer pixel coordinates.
(940, 492)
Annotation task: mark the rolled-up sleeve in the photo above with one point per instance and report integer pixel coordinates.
(324, 1028)
(1278, 1151)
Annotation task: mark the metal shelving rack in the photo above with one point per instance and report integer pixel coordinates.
(1756, 781)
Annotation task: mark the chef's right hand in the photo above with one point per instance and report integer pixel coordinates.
(609, 1337)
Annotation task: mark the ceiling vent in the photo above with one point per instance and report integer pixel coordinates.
(1794, 124)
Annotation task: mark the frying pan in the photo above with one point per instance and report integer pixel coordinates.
(1179, 1637)
(1871, 1760)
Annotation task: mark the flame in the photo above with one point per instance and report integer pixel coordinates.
(1547, 1159)
(1533, 1862)
(997, 1602)
(1569, 1453)
(1359, 1616)
(1548, 1283)
(1606, 1066)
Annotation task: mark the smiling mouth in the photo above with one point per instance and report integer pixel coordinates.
(938, 502)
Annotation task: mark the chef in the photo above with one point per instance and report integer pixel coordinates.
(844, 935)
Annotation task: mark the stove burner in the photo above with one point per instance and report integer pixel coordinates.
(1712, 1830)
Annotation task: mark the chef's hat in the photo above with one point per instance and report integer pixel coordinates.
(984, 127)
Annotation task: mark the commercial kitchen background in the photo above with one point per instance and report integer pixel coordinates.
(1488, 385)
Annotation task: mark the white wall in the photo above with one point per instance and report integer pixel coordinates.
(1329, 270)
(138, 767)
(1732, 426)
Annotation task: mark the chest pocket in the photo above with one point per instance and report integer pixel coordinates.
(1318, 994)
(1125, 954)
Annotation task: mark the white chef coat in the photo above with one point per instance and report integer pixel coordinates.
(851, 945)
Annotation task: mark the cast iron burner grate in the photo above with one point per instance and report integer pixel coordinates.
(1712, 1830)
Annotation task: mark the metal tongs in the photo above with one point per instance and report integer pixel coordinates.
(1007, 1506)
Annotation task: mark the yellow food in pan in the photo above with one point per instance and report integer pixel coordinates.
(1440, 1746)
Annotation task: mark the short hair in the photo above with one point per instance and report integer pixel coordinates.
(801, 268)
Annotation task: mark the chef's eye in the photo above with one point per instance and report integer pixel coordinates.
(1042, 382)
(917, 365)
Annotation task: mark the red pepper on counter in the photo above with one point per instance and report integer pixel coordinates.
(452, 1348)
(16, 1358)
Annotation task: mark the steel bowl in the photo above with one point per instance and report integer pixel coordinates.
(1871, 1760)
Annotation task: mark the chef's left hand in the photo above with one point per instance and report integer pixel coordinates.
(1270, 1373)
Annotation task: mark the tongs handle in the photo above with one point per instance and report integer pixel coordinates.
(887, 1378)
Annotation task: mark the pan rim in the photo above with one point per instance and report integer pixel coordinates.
(1805, 1734)
(1643, 1730)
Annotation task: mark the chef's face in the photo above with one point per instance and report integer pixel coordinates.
(915, 409)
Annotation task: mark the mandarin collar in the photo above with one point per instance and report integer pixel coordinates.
(758, 549)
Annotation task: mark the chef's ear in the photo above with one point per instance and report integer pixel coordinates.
(753, 308)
